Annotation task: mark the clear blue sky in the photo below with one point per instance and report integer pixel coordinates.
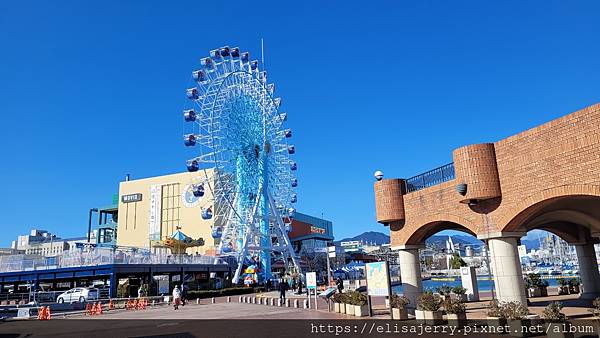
(90, 91)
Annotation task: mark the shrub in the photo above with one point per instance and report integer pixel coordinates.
(357, 298)
(454, 306)
(399, 302)
(339, 298)
(596, 309)
(563, 282)
(574, 282)
(553, 314)
(459, 290)
(444, 290)
(514, 310)
(429, 302)
(535, 280)
(495, 309)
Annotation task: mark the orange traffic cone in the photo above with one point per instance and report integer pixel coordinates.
(99, 309)
(41, 313)
(88, 309)
(111, 306)
(48, 315)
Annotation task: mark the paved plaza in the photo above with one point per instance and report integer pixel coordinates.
(222, 310)
(574, 308)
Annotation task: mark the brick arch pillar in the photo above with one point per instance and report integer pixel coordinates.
(506, 266)
(410, 273)
(588, 269)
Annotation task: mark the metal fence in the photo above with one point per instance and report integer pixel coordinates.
(99, 256)
(430, 178)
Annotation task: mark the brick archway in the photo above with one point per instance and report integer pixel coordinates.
(424, 227)
(514, 217)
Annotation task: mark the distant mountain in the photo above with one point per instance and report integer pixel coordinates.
(368, 237)
(462, 239)
(440, 240)
(437, 240)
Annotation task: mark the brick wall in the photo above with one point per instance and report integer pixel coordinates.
(558, 158)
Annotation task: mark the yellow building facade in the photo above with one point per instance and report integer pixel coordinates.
(151, 209)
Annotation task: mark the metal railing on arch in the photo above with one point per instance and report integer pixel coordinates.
(430, 178)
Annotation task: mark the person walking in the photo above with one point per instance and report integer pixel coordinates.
(183, 294)
(294, 285)
(176, 297)
(300, 286)
(340, 284)
(268, 284)
(283, 287)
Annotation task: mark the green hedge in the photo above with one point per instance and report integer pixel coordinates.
(222, 292)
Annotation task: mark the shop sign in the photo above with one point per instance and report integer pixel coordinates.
(131, 198)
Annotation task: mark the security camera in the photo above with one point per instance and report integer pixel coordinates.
(378, 175)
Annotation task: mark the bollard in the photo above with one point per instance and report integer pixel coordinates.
(153, 302)
(266, 301)
(296, 303)
(212, 300)
(272, 302)
(228, 299)
(253, 300)
(287, 302)
(305, 303)
(240, 299)
(279, 302)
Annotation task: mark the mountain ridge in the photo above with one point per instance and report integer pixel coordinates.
(379, 238)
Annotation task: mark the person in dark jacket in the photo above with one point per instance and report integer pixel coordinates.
(283, 287)
(183, 295)
(340, 284)
(300, 286)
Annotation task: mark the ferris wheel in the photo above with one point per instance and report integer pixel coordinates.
(236, 127)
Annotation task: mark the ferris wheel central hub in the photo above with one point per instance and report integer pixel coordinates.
(237, 129)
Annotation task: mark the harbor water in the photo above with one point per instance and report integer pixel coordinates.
(485, 283)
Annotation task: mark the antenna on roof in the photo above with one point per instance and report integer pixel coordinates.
(262, 52)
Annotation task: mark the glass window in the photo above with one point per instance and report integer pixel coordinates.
(171, 196)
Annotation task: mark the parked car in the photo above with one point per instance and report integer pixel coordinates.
(78, 295)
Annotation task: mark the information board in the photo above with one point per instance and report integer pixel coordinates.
(311, 280)
(378, 279)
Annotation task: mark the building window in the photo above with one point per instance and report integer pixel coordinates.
(171, 195)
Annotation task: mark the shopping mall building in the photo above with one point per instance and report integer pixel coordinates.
(151, 209)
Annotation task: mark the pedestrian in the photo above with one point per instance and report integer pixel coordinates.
(294, 285)
(268, 284)
(183, 295)
(283, 287)
(176, 297)
(300, 286)
(340, 284)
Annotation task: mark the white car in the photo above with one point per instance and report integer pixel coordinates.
(78, 295)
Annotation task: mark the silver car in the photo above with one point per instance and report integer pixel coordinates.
(78, 295)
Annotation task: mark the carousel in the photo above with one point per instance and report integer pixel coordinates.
(179, 242)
